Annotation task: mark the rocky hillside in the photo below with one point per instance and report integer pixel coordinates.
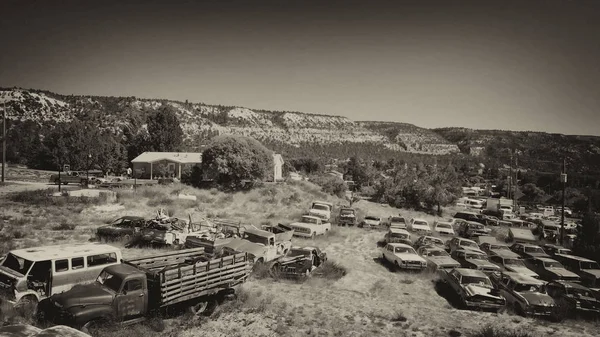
(200, 121)
(537, 150)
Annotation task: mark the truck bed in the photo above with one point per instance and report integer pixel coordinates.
(181, 276)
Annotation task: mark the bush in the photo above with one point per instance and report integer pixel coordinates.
(331, 185)
(64, 227)
(237, 162)
(331, 270)
(490, 331)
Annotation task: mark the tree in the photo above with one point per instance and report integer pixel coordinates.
(587, 243)
(532, 192)
(331, 184)
(233, 160)
(442, 188)
(110, 154)
(164, 130)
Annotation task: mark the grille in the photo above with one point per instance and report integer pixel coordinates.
(301, 229)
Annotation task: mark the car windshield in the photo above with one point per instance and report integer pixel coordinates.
(433, 240)
(514, 262)
(468, 244)
(482, 281)
(372, 218)
(437, 252)
(320, 207)
(475, 256)
(499, 247)
(401, 250)
(398, 220)
(553, 264)
(109, 280)
(399, 235)
(589, 265)
(309, 220)
(579, 292)
(116, 222)
(18, 264)
(521, 287)
(533, 249)
(347, 212)
(444, 225)
(420, 223)
(256, 238)
(298, 252)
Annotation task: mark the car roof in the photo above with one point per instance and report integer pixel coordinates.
(432, 247)
(550, 245)
(398, 244)
(506, 254)
(123, 269)
(63, 251)
(465, 212)
(310, 217)
(525, 244)
(523, 278)
(544, 259)
(473, 223)
(470, 251)
(425, 237)
(131, 217)
(464, 239)
(470, 272)
(571, 284)
(322, 202)
(399, 231)
(578, 258)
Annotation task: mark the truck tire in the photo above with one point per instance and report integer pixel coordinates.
(203, 308)
(92, 325)
(28, 306)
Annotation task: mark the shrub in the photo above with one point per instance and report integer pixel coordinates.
(331, 185)
(64, 227)
(490, 331)
(331, 270)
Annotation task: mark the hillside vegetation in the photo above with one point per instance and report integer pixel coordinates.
(201, 121)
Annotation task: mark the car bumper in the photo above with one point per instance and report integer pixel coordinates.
(539, 312)
(445, 233)
(412, 266)
(304, 235)
(483, 305)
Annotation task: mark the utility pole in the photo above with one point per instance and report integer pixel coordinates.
(516, 183)
(509, 190)
(563, 180)
(3, 141)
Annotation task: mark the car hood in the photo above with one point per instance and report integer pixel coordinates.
(592, 272)
(419, 226)
(535, 298)
(302, 224)
(443, 260)
(83, 295)
(586, 302)
(409, 257)
(562, 272)
(246, 246)
(473, 290)
(371, 222)
(482, 263)
(537, 254)
(288, 259)
(522, 270)
(319, 212)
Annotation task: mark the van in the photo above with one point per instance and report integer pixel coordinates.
(30, 275)
(474, 204)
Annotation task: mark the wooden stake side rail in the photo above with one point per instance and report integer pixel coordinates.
(179, 271)
(204, 284)
(202, 279)
(196, 294)
(165, 260)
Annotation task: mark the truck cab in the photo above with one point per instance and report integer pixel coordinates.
(321, 209)
(264, 246)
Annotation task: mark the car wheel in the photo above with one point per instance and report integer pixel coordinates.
(127, 238)
(396, 265)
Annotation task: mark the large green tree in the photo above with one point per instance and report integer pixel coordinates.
(164, 130)
(234, 160)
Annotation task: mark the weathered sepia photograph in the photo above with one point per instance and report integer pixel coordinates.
(230, 168)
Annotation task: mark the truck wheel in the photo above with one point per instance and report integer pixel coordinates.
(204, 308)
(91, 326)
(28, 306)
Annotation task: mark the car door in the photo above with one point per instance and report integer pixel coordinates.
(507, 286)
(386, 253)
(132, 300)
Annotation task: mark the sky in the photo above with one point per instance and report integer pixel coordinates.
(505, 64)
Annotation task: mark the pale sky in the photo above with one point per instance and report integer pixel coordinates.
(518, 65)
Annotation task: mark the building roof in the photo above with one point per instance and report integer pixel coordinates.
(178, 157)
(63, 251)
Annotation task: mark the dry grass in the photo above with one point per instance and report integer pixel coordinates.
(356, 295)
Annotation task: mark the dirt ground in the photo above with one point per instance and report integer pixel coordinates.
(369, 301)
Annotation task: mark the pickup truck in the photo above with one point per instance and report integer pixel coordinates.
(263, 245)
(347, 217)
(321, 209)
(310, 226)
(134, 290)
(69, 177)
